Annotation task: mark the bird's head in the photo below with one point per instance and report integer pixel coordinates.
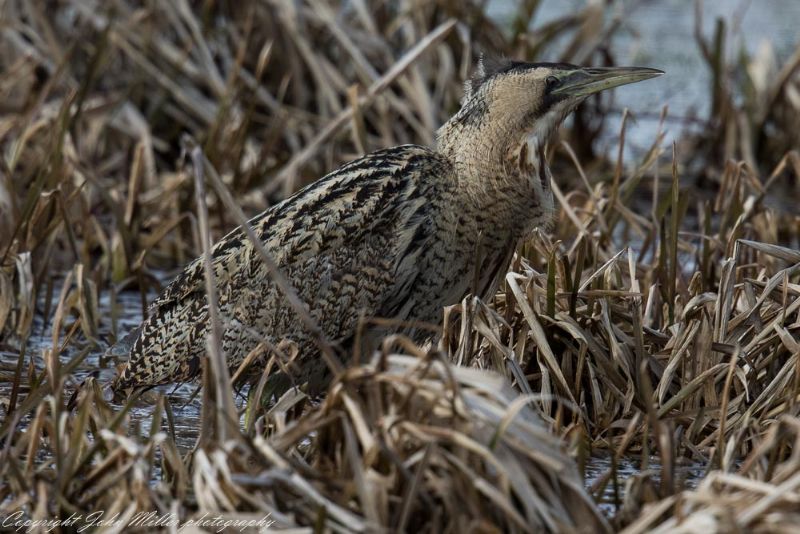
(508, 104)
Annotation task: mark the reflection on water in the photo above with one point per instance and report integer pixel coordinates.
(687, 476)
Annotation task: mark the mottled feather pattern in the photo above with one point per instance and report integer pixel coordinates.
(397, 234)
(353, 242)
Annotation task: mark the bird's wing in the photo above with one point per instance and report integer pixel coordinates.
(360, 231)
(360, 227)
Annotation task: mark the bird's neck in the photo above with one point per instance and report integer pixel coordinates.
(501, 171)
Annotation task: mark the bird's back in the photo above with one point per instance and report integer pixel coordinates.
(359, 241)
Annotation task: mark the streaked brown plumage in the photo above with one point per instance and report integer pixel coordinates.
(393, 234)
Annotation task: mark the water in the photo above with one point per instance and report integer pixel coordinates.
(688, 475)
(185, 406)
(660, 34)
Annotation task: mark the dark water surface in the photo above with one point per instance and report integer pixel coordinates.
(128, 311)
(688, 475)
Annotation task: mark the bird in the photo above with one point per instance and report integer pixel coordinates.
(399, 233)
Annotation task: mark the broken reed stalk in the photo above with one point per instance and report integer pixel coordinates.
(283, 283)
(226, 416)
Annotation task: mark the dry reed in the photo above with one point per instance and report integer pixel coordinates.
(683, 345)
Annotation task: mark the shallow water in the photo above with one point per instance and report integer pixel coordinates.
(128, 311)
(687, 475)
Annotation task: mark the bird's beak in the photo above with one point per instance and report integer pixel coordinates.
(584, 82)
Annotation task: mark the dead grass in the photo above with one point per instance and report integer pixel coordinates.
(683, 345)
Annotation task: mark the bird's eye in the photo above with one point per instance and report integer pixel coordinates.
(552, 82)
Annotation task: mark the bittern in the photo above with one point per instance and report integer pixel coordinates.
(393, 234)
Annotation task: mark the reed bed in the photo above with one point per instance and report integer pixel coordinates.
(657, 318)
(694, 329)
(408, 441)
